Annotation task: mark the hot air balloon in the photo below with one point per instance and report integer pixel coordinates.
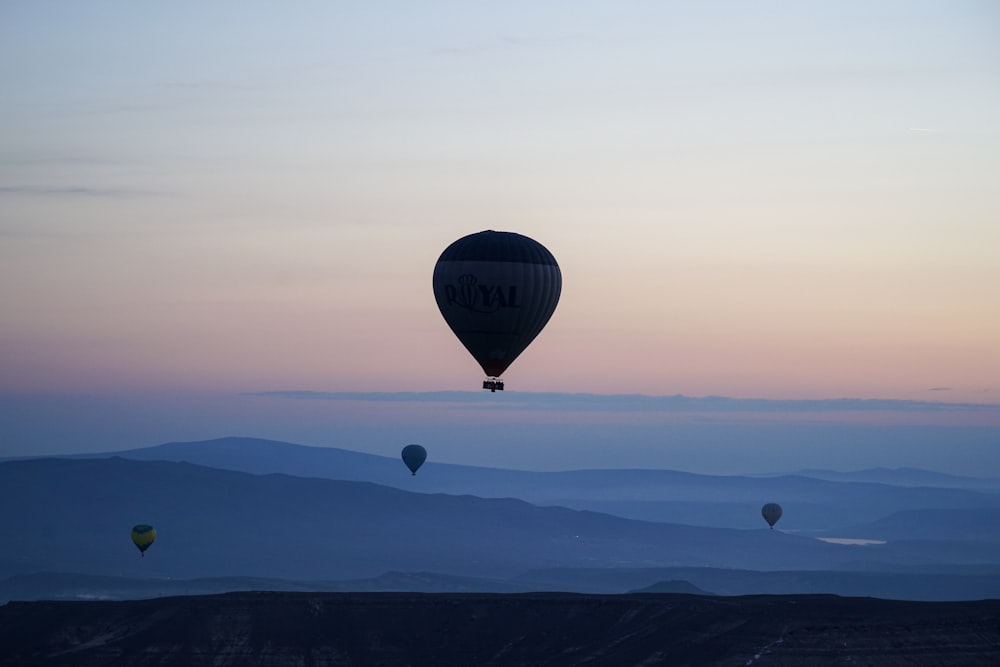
(771, 513)
(414, 457)
(496, 290)
(143, 536)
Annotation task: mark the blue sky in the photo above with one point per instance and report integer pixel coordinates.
(778, 201)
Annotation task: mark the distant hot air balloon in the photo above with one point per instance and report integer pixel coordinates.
(771, 513)
(143, 536)
(414, 457)
(496, 290)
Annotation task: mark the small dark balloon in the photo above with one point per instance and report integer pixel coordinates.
(414, 457)
(771, 513)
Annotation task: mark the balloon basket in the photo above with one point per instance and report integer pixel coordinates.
(493, 384)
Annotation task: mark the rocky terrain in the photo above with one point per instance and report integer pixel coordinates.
(397, 629)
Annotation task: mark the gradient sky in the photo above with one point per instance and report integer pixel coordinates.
(785, 200)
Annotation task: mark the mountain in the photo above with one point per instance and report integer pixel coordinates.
(673, 586)
(555, 630)
(811, 505)
(928, 582)
(69, 586)
(927, 585)
(932, 524)
(234, 530)
(261, 457)
(74, 515)
(905, 477)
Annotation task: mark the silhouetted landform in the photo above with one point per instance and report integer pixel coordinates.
(818, 505)
(932, 523)
(925, 586)
(674, 586)
(904, 477)
(70, 586)
(397, 629)
(75, 516)
(928, 584)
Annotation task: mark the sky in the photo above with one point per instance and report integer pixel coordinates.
(207, 207)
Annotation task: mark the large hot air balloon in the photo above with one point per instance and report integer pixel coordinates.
(771, 513)
(414, 457)
(143, 536)
(496, 290)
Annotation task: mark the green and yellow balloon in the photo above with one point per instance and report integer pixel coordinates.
(143, 536)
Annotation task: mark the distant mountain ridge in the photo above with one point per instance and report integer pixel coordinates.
(74, 515)
(811, 504)
(904, 477)
(926, 583)
(72, 586)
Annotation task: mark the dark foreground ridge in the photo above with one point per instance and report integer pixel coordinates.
(391, 629)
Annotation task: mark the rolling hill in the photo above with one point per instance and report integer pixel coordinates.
(221, 528)
(74, 516)
(816, 506)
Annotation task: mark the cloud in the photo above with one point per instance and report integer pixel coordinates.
(639, 403)
(502, 43)
(62, 191)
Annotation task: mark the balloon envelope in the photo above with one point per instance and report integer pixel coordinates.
(143, 535)
(771, 513)
(414, 457)
(496, 290)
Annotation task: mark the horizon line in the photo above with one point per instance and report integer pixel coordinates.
(632, 402)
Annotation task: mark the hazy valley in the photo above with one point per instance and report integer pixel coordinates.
(239, 513)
